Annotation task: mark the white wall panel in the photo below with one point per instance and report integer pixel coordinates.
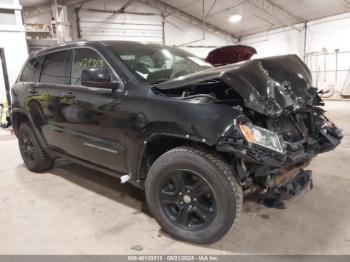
(327, 34)
(115, 26)
(99, 26)
(12, 39)
(145, 28)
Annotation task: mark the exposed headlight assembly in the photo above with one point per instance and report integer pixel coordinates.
(262, 137)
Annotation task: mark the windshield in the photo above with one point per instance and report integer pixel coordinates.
(156, 64)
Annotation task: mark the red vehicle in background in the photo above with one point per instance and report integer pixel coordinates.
(230, 54)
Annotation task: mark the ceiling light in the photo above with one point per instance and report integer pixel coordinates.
(235, 18)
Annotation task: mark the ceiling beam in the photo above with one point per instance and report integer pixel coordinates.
(181, 7)
(272, 12)
(227, 8)
(347, 2)
(298, 18)
(126, 5)
(46, 7)
(210, 9)
(49, 3)
(167, 9)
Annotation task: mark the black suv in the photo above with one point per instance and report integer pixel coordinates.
(196, 138)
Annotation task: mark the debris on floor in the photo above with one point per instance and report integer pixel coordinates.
(264, 216)
(137, 247)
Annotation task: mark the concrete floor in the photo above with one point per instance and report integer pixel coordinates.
(75, 210)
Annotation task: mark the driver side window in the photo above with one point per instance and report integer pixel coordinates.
(85, 58)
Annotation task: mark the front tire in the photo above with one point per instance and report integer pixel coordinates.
(193, 195)
(33, 156)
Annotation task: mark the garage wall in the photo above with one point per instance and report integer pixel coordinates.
(324, 36)
(39, 18)
(12, 39)
(276, 42)
(145, 28)
(148, 28)
(108, 26)
(179, 32)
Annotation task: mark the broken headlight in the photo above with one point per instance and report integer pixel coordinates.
(262, 137)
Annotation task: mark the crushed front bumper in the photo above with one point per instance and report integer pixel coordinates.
(272, 170)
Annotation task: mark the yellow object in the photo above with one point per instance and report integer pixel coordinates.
(248, 134)
(4, 113)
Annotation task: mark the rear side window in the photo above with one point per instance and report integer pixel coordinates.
(31, 70)
(56, 68)
(85, 58)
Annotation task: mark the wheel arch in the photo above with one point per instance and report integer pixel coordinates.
(19, 116)
(159, 143)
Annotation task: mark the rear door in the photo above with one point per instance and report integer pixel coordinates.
(92, 116)
(26, 83)
(45, 100)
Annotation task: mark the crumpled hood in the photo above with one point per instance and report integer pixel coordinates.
(267, 85)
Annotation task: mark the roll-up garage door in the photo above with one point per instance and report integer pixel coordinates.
(95, 25)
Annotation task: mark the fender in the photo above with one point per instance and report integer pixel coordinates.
(37, 134)
(136, 166)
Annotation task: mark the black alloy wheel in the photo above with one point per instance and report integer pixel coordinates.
(193, 194)
(27, 147)
(32, 154)
(187, 199)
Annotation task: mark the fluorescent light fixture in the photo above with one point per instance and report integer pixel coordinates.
(235, 18)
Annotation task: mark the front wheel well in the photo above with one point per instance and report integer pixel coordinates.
(17, 118)
(158, 145)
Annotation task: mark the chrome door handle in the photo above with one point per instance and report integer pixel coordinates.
(69, 95)
(32, 90)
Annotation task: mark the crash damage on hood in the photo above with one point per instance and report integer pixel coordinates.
(267, 86)
(277, 104)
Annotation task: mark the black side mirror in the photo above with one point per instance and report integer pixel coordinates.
(98, 77)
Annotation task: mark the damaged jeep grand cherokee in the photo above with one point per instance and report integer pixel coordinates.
(194, 137)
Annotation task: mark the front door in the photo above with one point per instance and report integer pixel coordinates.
(92, 116)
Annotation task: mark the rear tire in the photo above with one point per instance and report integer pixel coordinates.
(193, 195)
(33, 156)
